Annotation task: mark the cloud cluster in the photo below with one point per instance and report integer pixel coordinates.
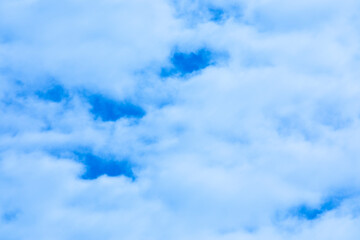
(179, 119)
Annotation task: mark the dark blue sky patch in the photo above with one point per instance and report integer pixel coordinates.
(96, 166)
(55, 93)
(185, 63)
(110, 110)
(216, 14)
(310, 213)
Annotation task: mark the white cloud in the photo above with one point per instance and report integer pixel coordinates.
(227, 152)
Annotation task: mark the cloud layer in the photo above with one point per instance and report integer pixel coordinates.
(172, 119)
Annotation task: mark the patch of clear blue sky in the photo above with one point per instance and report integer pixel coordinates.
(313, 212)
(184, 63)
(108, 109)
(216, 14)
(97, 166)
(102, 107)
(55, 93)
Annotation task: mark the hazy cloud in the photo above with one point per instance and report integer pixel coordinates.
(176, 119)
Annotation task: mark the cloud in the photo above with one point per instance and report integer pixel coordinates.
(179, 119)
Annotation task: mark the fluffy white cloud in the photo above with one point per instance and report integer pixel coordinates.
(259, 142)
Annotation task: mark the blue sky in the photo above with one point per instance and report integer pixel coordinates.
(179, 119)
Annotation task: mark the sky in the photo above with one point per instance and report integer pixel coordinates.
(179, 119)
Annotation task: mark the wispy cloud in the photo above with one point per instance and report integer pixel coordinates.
(175, 119)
